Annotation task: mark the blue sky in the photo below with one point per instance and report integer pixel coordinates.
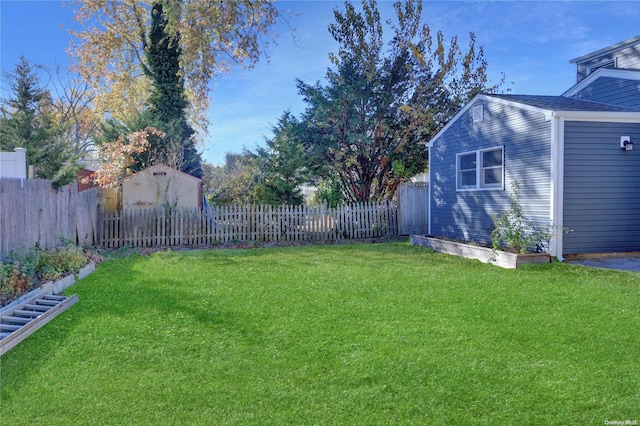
(531, 42)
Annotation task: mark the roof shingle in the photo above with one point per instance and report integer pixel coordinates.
(562, 103)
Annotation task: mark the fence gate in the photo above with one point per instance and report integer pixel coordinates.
(413, 208)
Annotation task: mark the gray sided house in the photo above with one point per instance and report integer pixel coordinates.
(572, 155)
(566, 155)
(609, 86)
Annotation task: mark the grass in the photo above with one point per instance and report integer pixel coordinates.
(353, 334)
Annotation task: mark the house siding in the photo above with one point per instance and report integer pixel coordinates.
(627, 58)
(525, 136)
(613, 91)
(601, 188)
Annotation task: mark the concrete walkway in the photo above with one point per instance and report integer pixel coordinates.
(620, 263)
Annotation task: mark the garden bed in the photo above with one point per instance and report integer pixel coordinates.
(504, 259)
(49, 288)
(36, 270)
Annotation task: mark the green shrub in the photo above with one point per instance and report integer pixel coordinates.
(512, 230)
(54, 264)
(20, 271)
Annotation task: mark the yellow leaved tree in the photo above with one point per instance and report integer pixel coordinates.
(214, 36)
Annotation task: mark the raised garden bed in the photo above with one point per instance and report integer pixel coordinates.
(503, 259)
(52, 287)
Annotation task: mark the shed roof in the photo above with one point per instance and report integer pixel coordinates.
(167, 168)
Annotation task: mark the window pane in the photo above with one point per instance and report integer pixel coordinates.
(467, 179)
(492, 176)
(468, 161)
(492, 158)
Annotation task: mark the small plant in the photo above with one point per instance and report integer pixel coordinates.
(53, 265)
(14, 279)
(20, 271)
(512, 230)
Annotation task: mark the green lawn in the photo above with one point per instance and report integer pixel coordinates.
(350, 334)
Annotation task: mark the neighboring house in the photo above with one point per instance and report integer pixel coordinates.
(623, 55)
(86, 174)
(161, 186)
(14, 164)
(572, 155)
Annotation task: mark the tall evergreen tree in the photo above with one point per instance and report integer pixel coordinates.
(168, 103)
(284, 163)
(28, 121)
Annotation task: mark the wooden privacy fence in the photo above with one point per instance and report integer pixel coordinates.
(158, 227)
(32, 213)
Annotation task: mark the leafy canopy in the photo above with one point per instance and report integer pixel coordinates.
(168, 102)
(109, 52)
(165, 108)
(384, 100)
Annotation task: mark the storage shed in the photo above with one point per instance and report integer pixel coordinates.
(161, 186)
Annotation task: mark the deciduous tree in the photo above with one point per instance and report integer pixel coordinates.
(74, 110)
(233, 183)
(109, 52)
(119, 156)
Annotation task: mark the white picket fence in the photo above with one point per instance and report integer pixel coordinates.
(261, 223)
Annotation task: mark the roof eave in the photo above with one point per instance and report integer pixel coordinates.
(602, 72)
(607, 116)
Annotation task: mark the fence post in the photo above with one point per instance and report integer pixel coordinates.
(99, 225)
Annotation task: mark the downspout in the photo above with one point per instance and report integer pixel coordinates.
(557, 185)
(430, 183)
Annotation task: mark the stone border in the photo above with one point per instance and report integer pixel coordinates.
(503, 259)
(51, 287)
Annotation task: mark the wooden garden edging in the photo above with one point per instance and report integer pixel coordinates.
(503, 259)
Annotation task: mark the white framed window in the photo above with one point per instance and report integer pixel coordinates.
(467, 170)
(482, 169)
